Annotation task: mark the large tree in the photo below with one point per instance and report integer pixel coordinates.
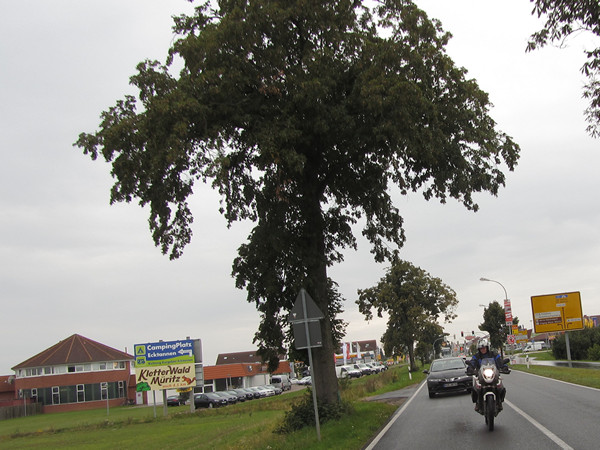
(302, 114)
(565, 18)
(413, 301)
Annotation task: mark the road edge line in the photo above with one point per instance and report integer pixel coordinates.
(558, 441)
(397, 414)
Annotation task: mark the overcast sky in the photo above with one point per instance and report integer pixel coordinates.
(71, 263)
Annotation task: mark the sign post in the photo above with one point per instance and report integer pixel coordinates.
(304, 317)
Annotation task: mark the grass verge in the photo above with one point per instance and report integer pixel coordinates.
(585, 377)
(248, 425)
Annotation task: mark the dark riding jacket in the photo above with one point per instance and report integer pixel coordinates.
(478, 357)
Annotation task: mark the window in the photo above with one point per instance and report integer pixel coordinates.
(71, 369)
(48, 371)
(80, 393)
(34, 394)
(103, 390)
(55, 395)
(103, 366)
(121, 389)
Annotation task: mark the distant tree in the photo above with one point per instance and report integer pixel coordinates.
(413, 301)
(563, 19)
(494, 323)
(303, 115)
(429, 344)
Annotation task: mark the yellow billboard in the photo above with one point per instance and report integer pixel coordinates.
(557, 312)
(165, 377)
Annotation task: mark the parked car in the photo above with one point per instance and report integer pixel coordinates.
(241, 396)
(269, 391)
(209, 400)
(246, 392)
(347, 372)
(281, 381)
(374, 367)
(275, 388)
(305, 381)
(448, 375)
(174, 400)
(257, 392)
(380, 366)
(231, 399)
(365, 370)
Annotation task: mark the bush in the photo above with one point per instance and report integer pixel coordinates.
(580, 342)
(594, 352)
(302, 414)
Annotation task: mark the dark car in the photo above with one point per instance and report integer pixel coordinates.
(241, 396)
(250, 395)
(209, 400)
(448, 375)
(174, 400)
(231, 399)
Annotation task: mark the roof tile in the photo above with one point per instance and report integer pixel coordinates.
(74, 349)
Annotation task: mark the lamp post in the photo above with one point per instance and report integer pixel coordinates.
(494, 281)
(505, 296)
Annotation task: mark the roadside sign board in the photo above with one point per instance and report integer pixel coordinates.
(301, 338)
(304, 317)
(521, 337)
(557, 312)
(166, 365)
(508, 312)
(164, 353)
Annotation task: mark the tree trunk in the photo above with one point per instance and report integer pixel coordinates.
(325, 379)
(411, 356)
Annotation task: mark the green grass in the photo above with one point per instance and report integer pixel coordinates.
(585, 377)
(248, 425)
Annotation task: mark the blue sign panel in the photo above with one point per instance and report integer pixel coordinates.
(164, 353)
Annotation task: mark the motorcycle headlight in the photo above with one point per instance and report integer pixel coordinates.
(488, 374)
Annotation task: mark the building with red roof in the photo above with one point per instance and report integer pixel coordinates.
(74, 374)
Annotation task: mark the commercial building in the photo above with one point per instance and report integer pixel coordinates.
(74, 374)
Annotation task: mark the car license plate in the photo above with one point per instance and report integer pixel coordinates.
(450, 384)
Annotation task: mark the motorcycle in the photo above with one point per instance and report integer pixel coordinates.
(488, 389)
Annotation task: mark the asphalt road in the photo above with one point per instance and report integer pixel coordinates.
(539, 413)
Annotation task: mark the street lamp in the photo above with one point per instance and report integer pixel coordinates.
(494, 281)
(505, 294)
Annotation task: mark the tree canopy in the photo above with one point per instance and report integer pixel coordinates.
(565, 18)
(494, 322)
(413, 301)
(302, 114)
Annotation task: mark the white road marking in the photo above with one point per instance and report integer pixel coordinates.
(558, 441)
(374, 442)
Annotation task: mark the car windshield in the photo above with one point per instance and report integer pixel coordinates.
(449, 364)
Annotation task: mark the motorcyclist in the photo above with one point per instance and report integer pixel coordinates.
(483, 352)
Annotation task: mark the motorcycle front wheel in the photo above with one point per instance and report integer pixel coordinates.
(490, 411)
